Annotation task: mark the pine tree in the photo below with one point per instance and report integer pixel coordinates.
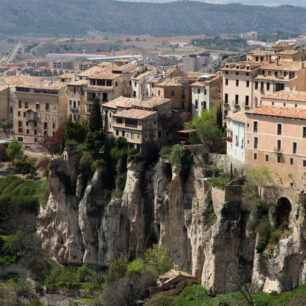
(95, 118)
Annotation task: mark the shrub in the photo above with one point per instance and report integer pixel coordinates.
(219, 181)
(116, 270)
(135, 266)
(44, 163)
(165, 152)
(264, 231)
(157, 259)
(86, 162)
(66, 277)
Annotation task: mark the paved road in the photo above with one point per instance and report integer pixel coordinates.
(14, 52)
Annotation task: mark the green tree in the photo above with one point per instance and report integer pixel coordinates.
(13, 150)
(157, 259)
(74, 131)
(206, 128)
(95, 118)
(219, 117)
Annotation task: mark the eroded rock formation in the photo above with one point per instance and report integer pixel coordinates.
(203, 228)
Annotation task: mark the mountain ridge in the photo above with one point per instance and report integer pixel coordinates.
(78, 17)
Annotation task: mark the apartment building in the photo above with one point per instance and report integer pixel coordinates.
(138, 126)
(40, 108)
(109, 83)
(206, 93)
(279, 76)
(196, 62)
(237, 86)
(276, 137)
(162, 109)
(4, 102)
(76, 100)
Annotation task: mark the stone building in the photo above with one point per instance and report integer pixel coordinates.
(40, 108)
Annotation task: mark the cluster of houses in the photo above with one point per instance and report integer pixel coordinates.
(263, 103)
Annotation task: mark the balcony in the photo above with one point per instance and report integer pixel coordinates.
(74, 109)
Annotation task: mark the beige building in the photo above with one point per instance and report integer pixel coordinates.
(237, 86)
(4, 102)
(40, 108)
(136, 125)
(123, 105)
(76, 100)
(109, 83)
(276, 137)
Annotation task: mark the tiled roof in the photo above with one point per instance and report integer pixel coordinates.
(168, 82)
(66, 76)
(143, 74)
(287, 96)
(275, 111)
(239, 117)
(242, 66)
(135, 113)
(284, 66)
(151, 102)
(121, 102)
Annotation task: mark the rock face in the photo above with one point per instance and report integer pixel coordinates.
(202, 227)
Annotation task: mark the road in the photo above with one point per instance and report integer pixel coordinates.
(14, 52)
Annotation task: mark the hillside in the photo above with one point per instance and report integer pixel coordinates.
(77, 17)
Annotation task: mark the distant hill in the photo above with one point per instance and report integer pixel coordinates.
(67, 17)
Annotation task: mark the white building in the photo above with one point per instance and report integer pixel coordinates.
(236, 136)
(206, 93)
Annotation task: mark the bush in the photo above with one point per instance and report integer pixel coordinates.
(165, 152)
(116, 270)
(86, 162)
(135, 266)
(134, 156)
(59, 277)
(181, 157)
(219, 181)
(157, 259)
(264, 231)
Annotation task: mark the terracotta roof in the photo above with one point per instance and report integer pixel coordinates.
(272, 78)
(299, 96)
(66, 76)
(135, 113)
(121, 102)
(168, 82)
(239, 117)
(284, 66)
(143, 74)
(275, 111)
(199, 84)
(90, 71)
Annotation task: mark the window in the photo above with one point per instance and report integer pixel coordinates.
(24, 115)
(279, 129)
(132, 135)
(204, 105)
(278, 145)
(172, 93)
(267, 158)
(35, 140)
(159, 92)
(294, 147)
(26, 105)
(255, 142)
(256, 85)
(262, 86)
(304, 163)
(119, 120)
(27, 123)
(20, 138)
(237, 73)
(28, 131)
(237, 82)
(45, 125)
(199, 90)
(205, 91)
(226, 98)
(123, 133)
(255, 126)
(255, 156)
(47, 118)
(236, 99)
(53, 118)
(196, 104)
(226, 72)
(47, 106)
(247, 83)
(19, 123)
(291, 161)
(37, 105)
(19, 114)
(278, 158)
(35, 132)
(268, 86)
(117, 132)
(246, 100)
(19, 104)
(304, 131)
(226, 81)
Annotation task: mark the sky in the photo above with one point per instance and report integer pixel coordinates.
(251, 2)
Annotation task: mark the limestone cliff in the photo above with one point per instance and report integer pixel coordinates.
(202, 227)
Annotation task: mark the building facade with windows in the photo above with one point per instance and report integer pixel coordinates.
(40, 109)
(206, 93)
(276, 137)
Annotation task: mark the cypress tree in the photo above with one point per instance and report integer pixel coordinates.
(95, 118)
(219, 117)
